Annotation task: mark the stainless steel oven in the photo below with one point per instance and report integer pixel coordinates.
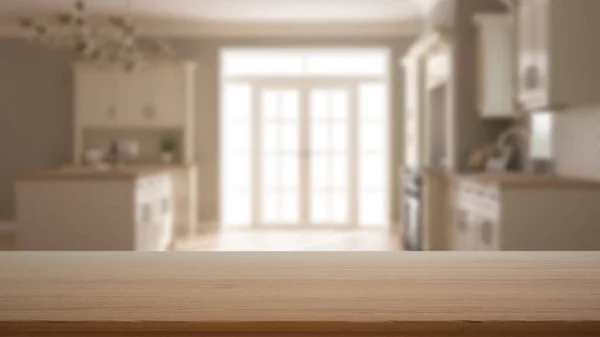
(412, 222)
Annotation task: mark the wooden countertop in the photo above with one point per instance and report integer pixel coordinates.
(430, 294)
(525, 181)
(127, 172)
(513, 180)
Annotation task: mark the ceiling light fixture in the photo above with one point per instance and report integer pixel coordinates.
(110, 40)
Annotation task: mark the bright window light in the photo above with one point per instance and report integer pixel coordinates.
(304, 138)
(305, 63)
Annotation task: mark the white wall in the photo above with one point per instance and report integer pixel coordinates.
(577, 143)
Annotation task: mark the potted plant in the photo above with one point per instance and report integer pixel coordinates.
(167, 148)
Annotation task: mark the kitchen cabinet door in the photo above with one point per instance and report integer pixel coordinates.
(137, 99)
(487, 234)
(530, 72)
(462, 232)
(96, 100)
(558, 53)
(543, 49)
(496, 60)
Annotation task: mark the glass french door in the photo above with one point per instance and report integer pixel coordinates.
(277, 157)
(329, 122)
(303, 156)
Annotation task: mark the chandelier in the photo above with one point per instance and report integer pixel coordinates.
(111, 40)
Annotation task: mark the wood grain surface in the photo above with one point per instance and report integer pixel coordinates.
(267, 294)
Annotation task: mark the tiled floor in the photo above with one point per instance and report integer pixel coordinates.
(290, 240)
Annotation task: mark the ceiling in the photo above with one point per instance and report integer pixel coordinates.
(236, 10)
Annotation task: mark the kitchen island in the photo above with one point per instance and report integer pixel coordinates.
(86, 209)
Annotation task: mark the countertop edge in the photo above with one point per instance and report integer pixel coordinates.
(396, 328)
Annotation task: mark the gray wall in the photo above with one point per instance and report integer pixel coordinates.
(576, 137)
(35, 114)
(36, 108)
(468, 130)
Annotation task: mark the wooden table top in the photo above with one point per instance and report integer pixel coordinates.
(408, 292)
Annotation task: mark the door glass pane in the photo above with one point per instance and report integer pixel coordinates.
(372, 171)
(237, 103)
(237, 137)
(319, 173)
(237, 178)
(280, 165)
(373, 154)
(372, 137)
(270, 168)
(289, 137)
(339, 209)
(270, 106)
(339, 109)
(340, 172)
(289, 171)
(329, 161)
(339, 136)
(319, 104)
(270, 137)
(270, 209)
(236, 144)
(372, 99)
(289, 207)
(290, 105)
(319, 137)
(372, 210)
(238, 206)
(319, 207)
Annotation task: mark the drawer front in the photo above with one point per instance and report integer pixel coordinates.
(479, 198)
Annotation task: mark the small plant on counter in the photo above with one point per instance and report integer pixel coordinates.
(167, 148)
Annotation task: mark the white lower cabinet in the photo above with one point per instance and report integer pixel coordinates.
(537, 215)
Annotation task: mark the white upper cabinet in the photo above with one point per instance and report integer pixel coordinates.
(97, 96)
(154, 96)
(139, 101)
(496, 66)
(558, 49)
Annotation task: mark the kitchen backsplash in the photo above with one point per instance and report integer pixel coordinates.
(577, 143)
(148, 140)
